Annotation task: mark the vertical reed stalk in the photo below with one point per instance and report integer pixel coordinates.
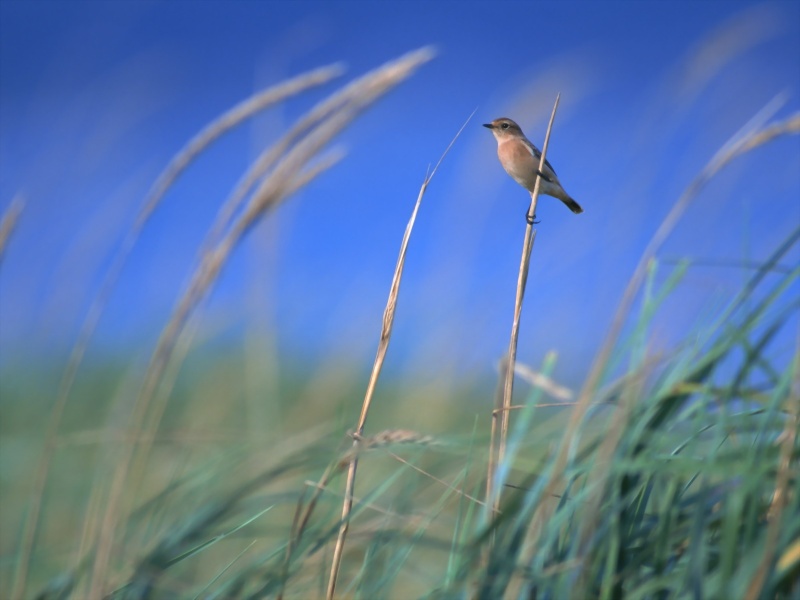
(496, 456)
(383, 345)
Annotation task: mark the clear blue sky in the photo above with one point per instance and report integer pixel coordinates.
(95, 97)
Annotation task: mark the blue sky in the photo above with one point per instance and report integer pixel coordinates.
(95, 97)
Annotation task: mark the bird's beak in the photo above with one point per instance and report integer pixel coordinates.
(488, 125)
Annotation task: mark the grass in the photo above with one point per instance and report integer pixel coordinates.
(666, 476)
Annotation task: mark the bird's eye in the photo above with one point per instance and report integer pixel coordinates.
(504, 125)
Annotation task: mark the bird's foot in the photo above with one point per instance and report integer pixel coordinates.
(531, 220)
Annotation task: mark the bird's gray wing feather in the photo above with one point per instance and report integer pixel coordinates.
(538, 155)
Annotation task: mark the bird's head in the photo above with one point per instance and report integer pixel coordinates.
(504, 128)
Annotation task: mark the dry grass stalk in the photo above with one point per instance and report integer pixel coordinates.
(598, 479)
(280, 185)
(269, 157)
(451, 487)
(182, 335)
(290, 173)
(754, 134)
(9, 222)
(544, 383)
(780, 498)
(383, 345)
(394, 437)
(496, 457)
(174, 169)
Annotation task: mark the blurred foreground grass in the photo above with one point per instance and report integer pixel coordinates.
(681, 482)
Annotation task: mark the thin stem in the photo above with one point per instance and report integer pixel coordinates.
(508, 385)
(386, 333)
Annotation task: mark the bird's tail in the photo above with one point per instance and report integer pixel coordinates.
(572, 205)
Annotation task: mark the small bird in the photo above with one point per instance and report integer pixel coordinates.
(522, 160)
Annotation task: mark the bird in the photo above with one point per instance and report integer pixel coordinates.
(522, 160)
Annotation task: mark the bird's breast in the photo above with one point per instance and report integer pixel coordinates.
(518, 161)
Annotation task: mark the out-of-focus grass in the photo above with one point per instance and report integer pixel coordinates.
(702, 470)
(208, 446)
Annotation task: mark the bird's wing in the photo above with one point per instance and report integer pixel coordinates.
(535, 151)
